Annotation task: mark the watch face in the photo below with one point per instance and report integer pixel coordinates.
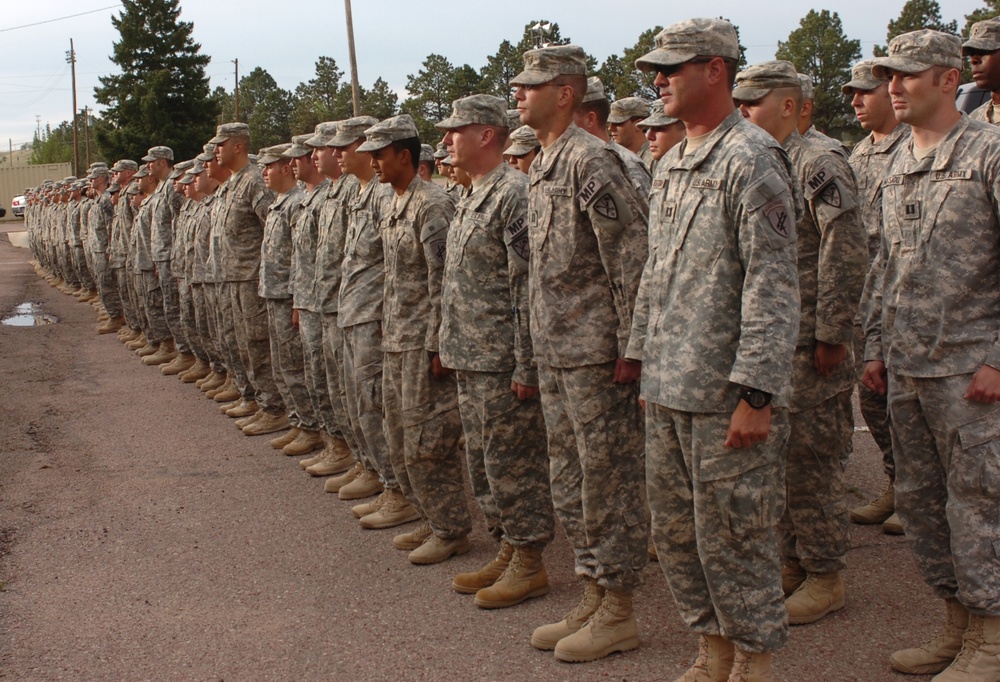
(757, 399)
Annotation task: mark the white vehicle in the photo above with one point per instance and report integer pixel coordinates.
(17, 206)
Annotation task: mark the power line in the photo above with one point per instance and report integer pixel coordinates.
(49, 21)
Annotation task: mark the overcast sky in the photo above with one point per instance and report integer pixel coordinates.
(392, 36)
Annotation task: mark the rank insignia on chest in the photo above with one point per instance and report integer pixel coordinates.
(911, 210)
(669, 211)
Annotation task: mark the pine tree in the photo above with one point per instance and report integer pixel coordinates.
(161, 96)
(915, 15)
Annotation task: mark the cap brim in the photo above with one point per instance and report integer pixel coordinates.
(750, 94)
(656, 122)
(370, 146)
(901, 64)
(270, 158)
(147, 159)
(618, 120)
(451, 123)
(663, 57)
(218, 138)
(973, 44)
(316, 141)
(533, 77)
(518, 150)
(859, 84)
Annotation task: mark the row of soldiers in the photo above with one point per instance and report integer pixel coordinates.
(686, 330)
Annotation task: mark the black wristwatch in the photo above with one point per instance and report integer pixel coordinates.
(755, 398)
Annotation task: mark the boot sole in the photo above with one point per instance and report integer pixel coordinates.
(813, 617)
(919, 669)
(358, 494)
(457, 551)
(263, 431)
(572, 657)
(537, 592)
(381, 525)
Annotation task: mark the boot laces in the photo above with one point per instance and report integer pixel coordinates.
(972, 644)
(512, 566)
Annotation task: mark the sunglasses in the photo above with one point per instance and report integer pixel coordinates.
(668, 71)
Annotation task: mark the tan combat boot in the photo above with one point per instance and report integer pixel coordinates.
(366, 508)
(612, 628)
(545, 637)
(979, 659)
(937, 654)
(136, 343)
(819, 595)
(412, 539)
(268, 422)
(167, 352)
(180, 364)
(471, 583)
(304, 442)
(247, 421)
(436, 549)
(213, 381)
(395, 510)
(199, 370)
(751, 667)
(878, 510)
(893, 526)
(285, 438)
(366, 484)
(222, 388)
(333, 485)
(714, 661)
(524, 578)
(244, 408)
(112, 325)
(147, 349)
(792, 576)
(321, 455)
(226, 393)
(338, 459)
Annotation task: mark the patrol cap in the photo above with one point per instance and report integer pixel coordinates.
(484, 110)
(69, 179)
(132, 189)
(114, 188)
(426, 153)
(381, 135)
(142, 172)
(275, 153)
(806, 84)
(513, 119)
(298, 148)
(323, 134)
(861, 78)
(441, 151)
(253, 158)
(196, 169)
(230, 130)
(760, 79)
(186, 180)
(548, 63)
(595, 90)
(447, 161)
(984, 36)
(656, 118)
(685, 40)
(352, 130)
(159, 152)
(627, 108)
(207, 154)
(523, 141)
(179, 169)
(99, 172)
(918, 51)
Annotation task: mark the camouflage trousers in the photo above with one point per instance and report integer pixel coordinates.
(250, 313)
(422, 428)
(107, 286)
(714, 512)
(286, 357)
(875, 412)
(127, 298)
(363, 390)
(505, 448)
(152, 302)
(227, 321)
(815, 528)
(172, 305)
(314, 369)
(137, 298)
(202, 298)
(948, 486)
(188, 320)
(333, 366)
(82, 269)
(595, 446)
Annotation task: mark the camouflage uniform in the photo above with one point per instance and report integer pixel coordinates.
(101, 216)
(934, 320)
(121, 227)
(587, 234)
(200, 225)
(304, 248)
(422, 423)
(166, 204)
(225, 315)
(360, 316)
(832, 262)
(485, 336)
(869, 161)
(275, 274)
(718, 308)
(179, 270)
(147, 282)
(241, 212)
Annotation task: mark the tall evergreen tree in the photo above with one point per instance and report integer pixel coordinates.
(819, 49)
(915, 15)
(161, 95)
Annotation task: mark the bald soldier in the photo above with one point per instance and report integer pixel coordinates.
(587, 236)
(832, 263)
(869, 159)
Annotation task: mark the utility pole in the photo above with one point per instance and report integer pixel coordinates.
(86, 135)
(355, 95)
(236, 96)
(71, 58)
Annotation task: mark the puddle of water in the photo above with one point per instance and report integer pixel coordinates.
(28, 315)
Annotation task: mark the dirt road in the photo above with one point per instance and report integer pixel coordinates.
(142, 537)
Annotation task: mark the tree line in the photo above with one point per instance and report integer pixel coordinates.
(162, 95)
